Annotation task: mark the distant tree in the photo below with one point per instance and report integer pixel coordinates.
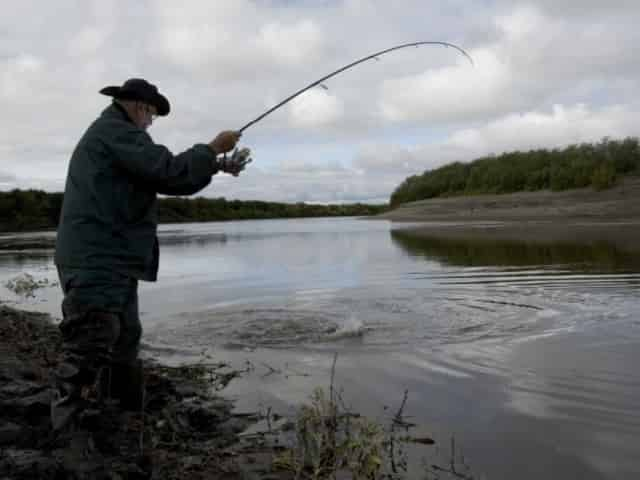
(597, 165)
(35, 209)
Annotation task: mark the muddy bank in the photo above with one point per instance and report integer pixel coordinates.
(619, 204)
(184, 431)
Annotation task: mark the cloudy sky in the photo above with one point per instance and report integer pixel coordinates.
(547, 73)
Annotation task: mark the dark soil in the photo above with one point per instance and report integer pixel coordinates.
(183, 432)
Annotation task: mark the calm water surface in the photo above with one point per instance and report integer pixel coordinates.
(526, 353)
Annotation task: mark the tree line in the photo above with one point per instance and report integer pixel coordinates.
(38, 210)
(588, 164)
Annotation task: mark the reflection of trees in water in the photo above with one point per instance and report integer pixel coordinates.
(485, 252)
(24, 258)
(193, 239)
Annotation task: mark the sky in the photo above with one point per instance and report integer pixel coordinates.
(548, 73)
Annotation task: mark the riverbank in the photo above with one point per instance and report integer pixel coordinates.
(184, 431)
(618, 204)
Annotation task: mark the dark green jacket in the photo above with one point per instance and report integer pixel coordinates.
(109, 213)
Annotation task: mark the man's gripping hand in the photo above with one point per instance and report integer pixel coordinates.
(236, 162)
(224, 142)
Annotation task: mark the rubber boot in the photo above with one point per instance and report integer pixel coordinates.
(126, 385)
(66, 399)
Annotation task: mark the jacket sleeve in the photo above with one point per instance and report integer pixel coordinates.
(184, 174)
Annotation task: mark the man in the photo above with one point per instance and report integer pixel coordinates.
(107, 241)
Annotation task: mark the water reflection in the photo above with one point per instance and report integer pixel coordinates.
(481, 252)
(179, 238)
(25, 258)
(536, 348)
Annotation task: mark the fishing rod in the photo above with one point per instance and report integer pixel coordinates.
(346, 67)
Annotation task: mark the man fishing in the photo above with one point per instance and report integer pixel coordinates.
(106, 242)
(107, 234)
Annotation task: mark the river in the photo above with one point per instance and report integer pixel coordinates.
(525, 353)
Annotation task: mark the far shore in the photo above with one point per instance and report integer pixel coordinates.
(574, 216)
(620, 203)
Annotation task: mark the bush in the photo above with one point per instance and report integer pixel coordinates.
(604, 176)
(575, 166)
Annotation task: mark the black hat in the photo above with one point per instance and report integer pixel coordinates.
(139, 89)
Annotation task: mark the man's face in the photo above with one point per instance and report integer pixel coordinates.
(145, 114)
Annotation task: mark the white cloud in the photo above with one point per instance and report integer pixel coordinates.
(451, 92)
(17, 76)
(233, 40)
(521, 23)
(7, 180)
(535, 59)
(315, 108)
(289, 44)
(385, 158)
(222, 62)
(316, 185)
(558, 127)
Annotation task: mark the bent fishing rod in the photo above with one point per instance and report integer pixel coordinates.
(346, 67)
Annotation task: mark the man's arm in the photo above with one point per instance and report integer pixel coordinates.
(154, 165)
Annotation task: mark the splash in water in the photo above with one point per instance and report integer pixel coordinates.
(352, 327)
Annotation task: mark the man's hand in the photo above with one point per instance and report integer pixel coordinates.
(224, 142)
(236, 162)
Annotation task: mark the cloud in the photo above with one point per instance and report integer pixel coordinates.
(325, 185)
(385, 158)
(18, 76)
(7, 180)
(546, 72)
(535, 59)
(584, 8)
(315, 108)
(557, 127)
(449, 93)
(290, 44)
(233, 40)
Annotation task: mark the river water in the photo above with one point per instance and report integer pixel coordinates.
(526, 353)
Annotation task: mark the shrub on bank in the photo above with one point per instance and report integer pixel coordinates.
(576, 166)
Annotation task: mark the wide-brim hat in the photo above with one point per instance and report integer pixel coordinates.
(141, 90)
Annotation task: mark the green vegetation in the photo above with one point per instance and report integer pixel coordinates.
(329, 441)
(38, 210)
(596, 165)
(207, 210)
(29, 210)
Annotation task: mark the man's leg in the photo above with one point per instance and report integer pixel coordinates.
(88, 341)
(127, 383)
(95, 328)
